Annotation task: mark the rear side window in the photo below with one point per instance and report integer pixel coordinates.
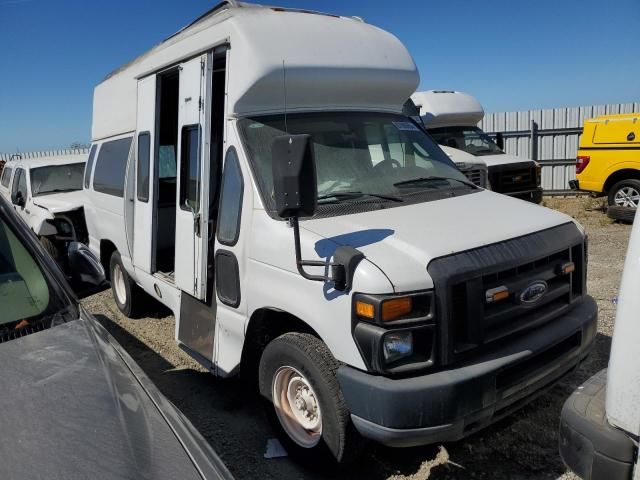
(144, 148)
(6, 176)
(19, 184)
(231, 201)
(89, 167)
(111, 167)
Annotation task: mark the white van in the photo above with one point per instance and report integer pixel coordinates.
(600, 423)
(234, 182)
(451, 118)
(47, 194)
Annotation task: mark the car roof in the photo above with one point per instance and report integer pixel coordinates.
(48, 161)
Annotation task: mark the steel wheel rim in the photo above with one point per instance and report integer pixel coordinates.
(627, 197)
(297, 407)
(118, 285)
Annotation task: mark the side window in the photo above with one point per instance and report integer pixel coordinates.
(89, 166)
(144, 149)
(6, 177)
(111, 166)
(231, 200)
(19, 184)
(190, 169)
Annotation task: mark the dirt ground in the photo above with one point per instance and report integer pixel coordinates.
(522, 446)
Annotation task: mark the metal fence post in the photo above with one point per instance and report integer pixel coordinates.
(533, 141)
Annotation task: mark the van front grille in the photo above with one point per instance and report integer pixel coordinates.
(468, 322)
(477, 176)
(513, 178)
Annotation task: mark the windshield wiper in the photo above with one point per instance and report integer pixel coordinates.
(345, 195)
(418, 180)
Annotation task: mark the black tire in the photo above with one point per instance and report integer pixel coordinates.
(629, 183)
(50, 248)
(133, 302)
(310, 356)
(623, 214)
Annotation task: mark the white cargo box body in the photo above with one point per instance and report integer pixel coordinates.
(331, 63)
(444, 108)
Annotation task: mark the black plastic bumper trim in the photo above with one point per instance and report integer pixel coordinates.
(451, 404)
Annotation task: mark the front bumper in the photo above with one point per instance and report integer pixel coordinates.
(451, 404)
(534, 196)
(588, 444)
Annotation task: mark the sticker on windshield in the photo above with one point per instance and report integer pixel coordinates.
(408, 126)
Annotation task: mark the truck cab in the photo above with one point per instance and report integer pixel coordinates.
(310, 237)
(46, 192)
(451, 118)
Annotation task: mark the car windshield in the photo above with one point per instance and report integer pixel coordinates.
(359, 156)
(470, 139)
(57, 178)
(30, 302)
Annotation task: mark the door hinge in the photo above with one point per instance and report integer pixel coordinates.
(200, 104)
(202, 67)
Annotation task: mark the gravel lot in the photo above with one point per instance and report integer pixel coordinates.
(523, 446)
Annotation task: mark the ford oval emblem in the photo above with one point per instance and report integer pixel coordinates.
(534, 292)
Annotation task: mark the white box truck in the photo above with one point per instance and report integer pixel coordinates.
(235, 183)
(452, 117)
(600, 423)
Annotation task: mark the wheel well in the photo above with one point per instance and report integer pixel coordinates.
(107, 248)
(264, 325)
(620, 175)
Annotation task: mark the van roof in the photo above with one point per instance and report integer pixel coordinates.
(446, 108)
(331, 63)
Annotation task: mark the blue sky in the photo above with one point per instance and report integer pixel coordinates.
(512, 55)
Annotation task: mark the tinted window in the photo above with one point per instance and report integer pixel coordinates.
(89, 167)
(144, 147)
(19, 184)
(56, 179)
(111, 166)
(231, 202)
(190, 169)
(6, 177)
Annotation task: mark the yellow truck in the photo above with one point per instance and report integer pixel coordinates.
(608, 162)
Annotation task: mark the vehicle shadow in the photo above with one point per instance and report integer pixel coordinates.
(232, 420)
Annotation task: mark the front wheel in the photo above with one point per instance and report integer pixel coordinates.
(298, 375)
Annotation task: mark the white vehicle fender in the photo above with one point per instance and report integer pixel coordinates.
(42, 227)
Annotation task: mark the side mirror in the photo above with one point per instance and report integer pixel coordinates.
(500, 140)
(19, 200)
(85, 266)
(294, 176)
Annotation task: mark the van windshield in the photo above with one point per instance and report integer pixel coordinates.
(56, 179)
(470, 139)
(385, 157)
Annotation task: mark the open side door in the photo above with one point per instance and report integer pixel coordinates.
(192, 212)
(144, 155)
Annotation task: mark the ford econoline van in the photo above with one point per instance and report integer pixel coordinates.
(255, 174)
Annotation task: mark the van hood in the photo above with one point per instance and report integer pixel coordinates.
(458, 157)
(402, 241)
(60, 202)
(502, 159)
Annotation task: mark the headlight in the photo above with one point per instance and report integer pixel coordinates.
(397, 345)
(395, 333)
(64, 227)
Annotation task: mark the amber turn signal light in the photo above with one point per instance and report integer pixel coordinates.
(497, 294)
(365, 310)
(396, 308)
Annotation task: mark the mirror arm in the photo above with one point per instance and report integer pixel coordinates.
(309, 263)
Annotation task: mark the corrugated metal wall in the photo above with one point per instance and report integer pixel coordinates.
(50, 153)
(552, 139)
